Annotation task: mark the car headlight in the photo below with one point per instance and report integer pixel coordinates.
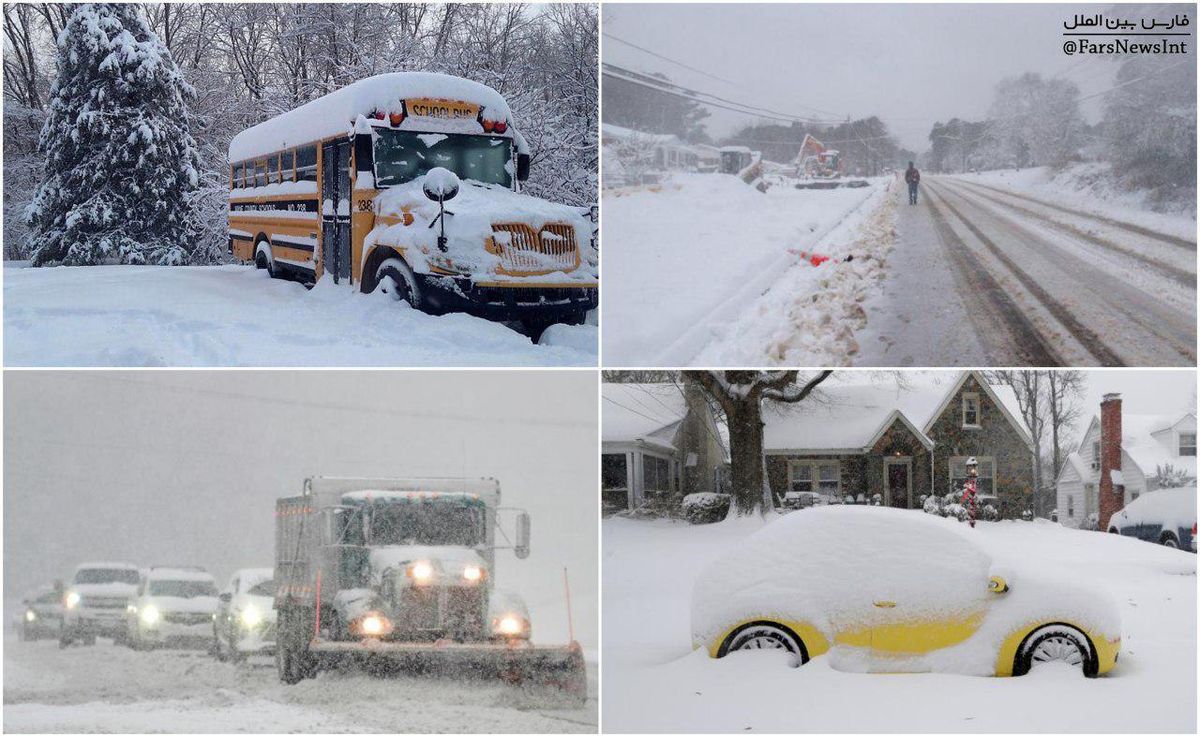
(509, 625)
(150, 614)
(251, 617)
(30, 615)
(421, 571)
(72, 600)
(472, 574)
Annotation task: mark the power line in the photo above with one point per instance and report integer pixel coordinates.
(668, 59)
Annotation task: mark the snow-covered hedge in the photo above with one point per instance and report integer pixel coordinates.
(705, 507)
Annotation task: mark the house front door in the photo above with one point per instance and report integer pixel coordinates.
(898, 482)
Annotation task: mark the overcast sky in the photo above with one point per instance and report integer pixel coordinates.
(184, 467)
(910, 64)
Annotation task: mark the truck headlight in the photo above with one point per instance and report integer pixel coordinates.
(421, 571)
(509, 625)
(72, 600)
(30, 615)
(472, 574)
(372, 624)
(150, 614)
(251, 617)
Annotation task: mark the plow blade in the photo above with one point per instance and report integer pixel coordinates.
(549, 668)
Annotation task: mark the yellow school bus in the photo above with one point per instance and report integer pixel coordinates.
(343, 188)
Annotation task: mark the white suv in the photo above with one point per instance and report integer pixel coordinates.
(95, 602)
(174, 608)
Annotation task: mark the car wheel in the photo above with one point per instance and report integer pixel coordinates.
(1113, 531)
(1056, 643)
(396, 279)
(1169, 540)
(764, 636)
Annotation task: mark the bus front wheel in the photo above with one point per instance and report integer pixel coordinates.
(395, 278)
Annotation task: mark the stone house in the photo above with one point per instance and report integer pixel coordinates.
(865, 435)
(658, 441)
(1118, 460)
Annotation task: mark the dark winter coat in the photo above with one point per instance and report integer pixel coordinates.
(911, 175)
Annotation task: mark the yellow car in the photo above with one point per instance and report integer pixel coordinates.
(897, 591)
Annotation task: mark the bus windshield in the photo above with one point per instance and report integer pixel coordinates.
(427, 524)
(401, 156)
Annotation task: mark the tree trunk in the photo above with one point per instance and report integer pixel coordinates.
(745, 453)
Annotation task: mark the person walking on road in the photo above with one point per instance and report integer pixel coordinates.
(913, 177)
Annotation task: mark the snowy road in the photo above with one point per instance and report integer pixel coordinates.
(984, 276)
(237, 316)
(655, 682)
(113, 689)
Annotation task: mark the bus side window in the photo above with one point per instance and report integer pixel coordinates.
(239, 173)
(287, 165)
(306, 164)
(249, 174)
(260, 173)
(273, 170)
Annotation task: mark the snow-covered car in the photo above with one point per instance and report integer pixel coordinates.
(888, 590)
(245, 621)
(1165, 516)
(41, 614)
(174, 608)
(95, 602)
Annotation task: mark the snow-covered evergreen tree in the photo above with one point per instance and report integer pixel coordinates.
(120, 159)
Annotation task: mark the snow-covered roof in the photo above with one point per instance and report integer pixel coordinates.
(608, 130)
(642, 412)
(336, 112)
(850, 411)
(1145, 440)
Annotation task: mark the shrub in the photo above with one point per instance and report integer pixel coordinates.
(706, 507)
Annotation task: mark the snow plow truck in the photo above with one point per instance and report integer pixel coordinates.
(401, 573)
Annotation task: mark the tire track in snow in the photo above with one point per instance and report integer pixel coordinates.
(1110, 292)
(1032, 348)
(1131, 227)
(1182, 276)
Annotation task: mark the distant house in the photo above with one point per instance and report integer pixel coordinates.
(1118, 459)
(658, 440)
(857, 437)
(656, 152)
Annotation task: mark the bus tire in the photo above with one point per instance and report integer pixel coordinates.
(395, 278)
(263, 259)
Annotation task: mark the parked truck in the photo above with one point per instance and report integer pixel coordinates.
(377, 571)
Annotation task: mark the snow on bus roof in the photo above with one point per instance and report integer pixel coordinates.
(335, 112)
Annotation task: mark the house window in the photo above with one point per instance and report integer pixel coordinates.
(1096, 454)
(970, 410)
(613, 471)
(1070, 505)
(987, 473)
(1187, 444)
(824, 477)
(656, 474)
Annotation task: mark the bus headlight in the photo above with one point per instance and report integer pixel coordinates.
(72, 600)
(251, 617)
(421, 571)
(150, 615)
(510, 625)
(472, 574)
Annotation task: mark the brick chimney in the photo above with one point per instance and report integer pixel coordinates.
(1112, 496)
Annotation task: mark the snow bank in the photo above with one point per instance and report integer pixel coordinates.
(234, 316)
(691, 254)
(475, 209)
(336, 112)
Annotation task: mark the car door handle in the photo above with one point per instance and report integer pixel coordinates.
(886, 604)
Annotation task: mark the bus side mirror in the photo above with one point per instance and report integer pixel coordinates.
(521, 549)
(522, 167)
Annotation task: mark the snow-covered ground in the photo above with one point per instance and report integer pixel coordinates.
(238, 316)
(654, 682)
(114, 689)
(1088, 187)
(684, 260)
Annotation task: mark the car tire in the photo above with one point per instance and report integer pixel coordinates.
(1113, 531)
(534, 327)
(1056, 643)
(764, 635)
(1168, 540)
(395, 279)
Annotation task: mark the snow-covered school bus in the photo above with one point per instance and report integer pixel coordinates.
(342, 187)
